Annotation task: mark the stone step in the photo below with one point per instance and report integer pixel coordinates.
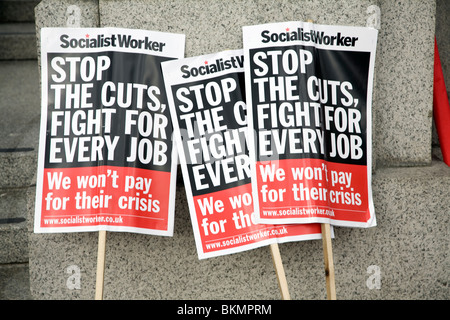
(19, 105)
(17, 10)
(19, 136)
(19, 123)
(18, 41)
(13, 241)
(15, 282)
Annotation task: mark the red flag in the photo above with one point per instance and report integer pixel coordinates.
(441, 107)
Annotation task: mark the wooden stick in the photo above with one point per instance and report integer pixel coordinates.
(100, 265)
(281, 277)
(328, 260)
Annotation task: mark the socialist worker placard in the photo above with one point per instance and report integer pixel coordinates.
(309, 94)
(106, 157)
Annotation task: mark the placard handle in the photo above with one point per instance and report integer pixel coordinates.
(281, 276)
(100, 265)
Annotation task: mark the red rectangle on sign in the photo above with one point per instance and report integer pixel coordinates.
(226, 220)
(312, 188)
(110, 196)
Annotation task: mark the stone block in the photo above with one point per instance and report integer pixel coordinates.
(19, 128)
(212, 26)
(404, 95)
(65, 13)
(17, 10)
(17, 41)
(14, 282)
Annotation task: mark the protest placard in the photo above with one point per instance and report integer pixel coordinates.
(106, 160)
(309, 91)
(207, 103)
